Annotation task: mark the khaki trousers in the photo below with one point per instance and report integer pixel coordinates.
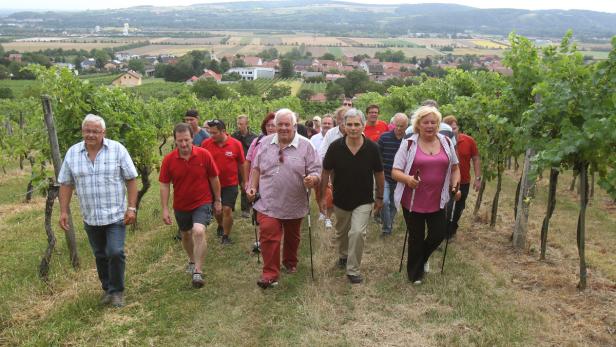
(351, 228)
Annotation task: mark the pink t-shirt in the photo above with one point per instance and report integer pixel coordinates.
(432, 172)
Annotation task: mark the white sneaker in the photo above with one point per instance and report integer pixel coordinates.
(427, 267)
(321, 216)
(190, 268)
(328, 223)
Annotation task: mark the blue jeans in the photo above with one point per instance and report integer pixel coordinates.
(107, 242)
(388, 213)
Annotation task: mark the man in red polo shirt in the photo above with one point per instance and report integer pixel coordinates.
(374, 127)
(467, 151)
(229, 157)
(192, 171)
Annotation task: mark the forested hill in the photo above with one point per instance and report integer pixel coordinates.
(335, 17)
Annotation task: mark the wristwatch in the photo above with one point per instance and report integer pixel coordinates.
(478, 178)
(134, 209)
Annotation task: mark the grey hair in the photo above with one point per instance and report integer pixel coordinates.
(93, 118)
(353, 112)
(400, 115)
(285, 112)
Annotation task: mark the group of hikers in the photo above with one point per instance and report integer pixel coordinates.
(358, 166)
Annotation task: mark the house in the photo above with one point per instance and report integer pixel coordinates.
(211, 74)
(122, 56)
(128, 79)
(168, 59)
(326, 65)
(15, 57)
(192, 80)
(149, 70)
(65, 65)
(110, 66)
(88, 64)
(253, 73)
(151, 60)
(272, 63)
(376, 69)
(253, 61)
(311, 74)
(318, 97)
(333, 76)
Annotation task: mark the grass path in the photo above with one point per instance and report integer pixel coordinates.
(488, 296)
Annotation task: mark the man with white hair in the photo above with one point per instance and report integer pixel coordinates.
(102, 171)
(355, 163)
(389, 143)
(284, 168)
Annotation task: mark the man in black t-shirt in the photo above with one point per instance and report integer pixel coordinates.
(355, 163)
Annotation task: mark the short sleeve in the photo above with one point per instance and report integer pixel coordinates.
(165, 175)
(328, 161)
(251, 151)
(454, 156)
(241, 158)
(474, 150)
(66, 176)
(210, 165)
(128, 167)
(377, 165)
(400, 158)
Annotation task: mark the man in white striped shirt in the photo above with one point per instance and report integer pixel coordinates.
(102, 171)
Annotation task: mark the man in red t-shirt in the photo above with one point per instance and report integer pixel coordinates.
(466, 149)
(374, 126)
(192, 171)
(228, 155)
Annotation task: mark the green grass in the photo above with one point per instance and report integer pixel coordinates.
(470, 305)
(20, 87)
(337, 51)
(315, 87)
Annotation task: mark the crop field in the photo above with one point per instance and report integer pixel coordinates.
(37, 46)
(214, 40)
(488, 44)
(399, 43)
(409, 52)
(337, 51)
(317, 87)
(311, 40)
(478, 51)
(440, 42)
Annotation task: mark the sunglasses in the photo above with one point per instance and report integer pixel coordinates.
(215, 123)
(347, 104)
(280, 156)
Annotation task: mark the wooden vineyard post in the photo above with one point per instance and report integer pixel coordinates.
(57, 164)
(521, 219)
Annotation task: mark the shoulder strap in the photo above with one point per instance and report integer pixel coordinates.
(259, 139)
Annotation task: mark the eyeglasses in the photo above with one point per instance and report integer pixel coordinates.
(280, 156)
(347, 104)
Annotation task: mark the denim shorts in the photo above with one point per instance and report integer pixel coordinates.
(201, 215)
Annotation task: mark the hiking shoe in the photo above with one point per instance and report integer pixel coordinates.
(342, 262)
(117, 299)
(197, 280)
(418, 282)
(220, 231)
(328, 223)
(190, 268)
(225, 240)
(321, 217)
(264, 284)
(256, 247)
(290, 269)
(105, 299)
(427, 267)
(355, 279)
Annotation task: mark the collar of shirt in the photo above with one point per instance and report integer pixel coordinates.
(83, 144)
(294, 142)
(192, 153)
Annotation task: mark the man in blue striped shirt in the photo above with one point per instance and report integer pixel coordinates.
(102, 171)
(389, 143)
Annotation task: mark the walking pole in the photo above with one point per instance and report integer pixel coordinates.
(453, 210)
(258, 249)
(406, 235)
(310, 234)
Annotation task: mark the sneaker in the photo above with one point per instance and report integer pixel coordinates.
(321, 216)
(263, 283)
(225, 240)
(256, 247)
(117, 299)
(427, 267)
(190, 268)
(197, 280)
(105, 299)
(355, 279)
(418, 282)
(342, 262)
(328, 223)
(220, 231)
(245, 214)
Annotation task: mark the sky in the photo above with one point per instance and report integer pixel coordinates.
(594, 5)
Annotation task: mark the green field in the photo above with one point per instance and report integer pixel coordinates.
(20, 88)
(315, 87)
(488, 295)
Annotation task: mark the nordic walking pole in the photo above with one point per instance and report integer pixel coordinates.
(254, 223)
(453, 210)
(310, 234)
(406, 235)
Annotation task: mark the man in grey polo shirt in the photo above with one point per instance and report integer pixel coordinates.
(102, 171)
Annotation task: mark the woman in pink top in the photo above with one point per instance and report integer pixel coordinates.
(435, 157)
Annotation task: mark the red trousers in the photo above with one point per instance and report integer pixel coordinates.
(271, 235)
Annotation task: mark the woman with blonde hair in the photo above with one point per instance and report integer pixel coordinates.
(432, 158)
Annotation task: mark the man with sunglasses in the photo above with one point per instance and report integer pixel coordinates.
(228, 155)
(284, 168)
